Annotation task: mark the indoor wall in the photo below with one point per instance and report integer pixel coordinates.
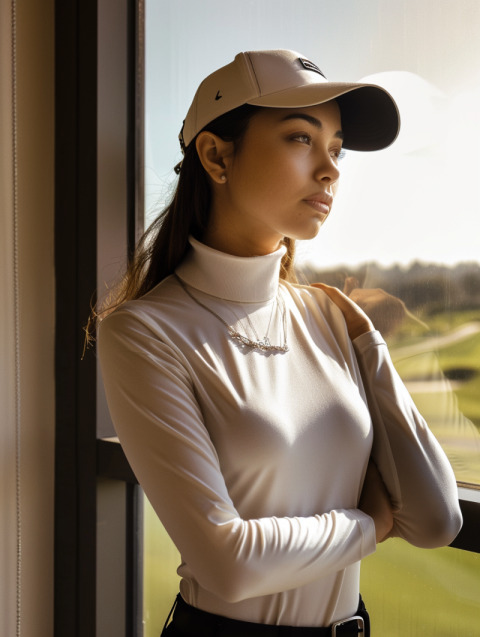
(27, 417)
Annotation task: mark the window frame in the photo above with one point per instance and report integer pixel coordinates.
(77, 456)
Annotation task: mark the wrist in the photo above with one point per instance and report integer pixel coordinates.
(361, 329)
(383, 526)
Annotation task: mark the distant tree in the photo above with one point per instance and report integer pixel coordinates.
(470, 284)
(418, 293)
(430, 287)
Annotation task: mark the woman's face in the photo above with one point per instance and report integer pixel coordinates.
(282, 180)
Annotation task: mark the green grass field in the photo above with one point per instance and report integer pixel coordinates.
(409, 592)
(160, 579)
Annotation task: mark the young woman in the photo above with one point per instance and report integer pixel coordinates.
(263, 418)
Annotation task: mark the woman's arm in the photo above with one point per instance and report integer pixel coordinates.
(413, 466)
(157, 418)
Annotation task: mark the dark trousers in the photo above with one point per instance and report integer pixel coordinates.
(189, 622)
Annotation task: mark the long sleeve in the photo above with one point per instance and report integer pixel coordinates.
(152, 398)
(415, 469)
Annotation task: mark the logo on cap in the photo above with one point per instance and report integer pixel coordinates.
(310, 66)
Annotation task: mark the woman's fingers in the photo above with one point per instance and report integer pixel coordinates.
(357, 321)
(339, 298)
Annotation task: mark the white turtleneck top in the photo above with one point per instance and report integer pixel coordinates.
(254, 461)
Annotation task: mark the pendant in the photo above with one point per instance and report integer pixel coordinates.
(263, 345)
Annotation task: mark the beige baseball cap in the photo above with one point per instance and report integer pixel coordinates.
(286, 79)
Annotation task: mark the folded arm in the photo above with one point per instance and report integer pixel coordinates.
(414, 467)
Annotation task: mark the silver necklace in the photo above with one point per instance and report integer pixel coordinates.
(265, 340)
(264, 345)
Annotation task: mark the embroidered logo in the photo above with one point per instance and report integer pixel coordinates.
(310, 66)
(218, 96)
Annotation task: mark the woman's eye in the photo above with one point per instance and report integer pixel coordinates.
(339, 154)
(306, 138)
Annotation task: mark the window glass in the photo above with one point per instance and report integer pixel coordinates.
(406, 218)
(405, 222)
(410, 591)
(160, 580)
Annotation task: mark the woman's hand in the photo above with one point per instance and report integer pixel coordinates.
(375, 502)
(387, 312)
(357, 321)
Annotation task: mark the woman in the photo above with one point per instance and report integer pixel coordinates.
(264, 419)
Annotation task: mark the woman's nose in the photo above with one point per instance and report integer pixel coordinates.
(327, 169)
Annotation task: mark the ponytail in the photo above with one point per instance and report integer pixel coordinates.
(165, 243)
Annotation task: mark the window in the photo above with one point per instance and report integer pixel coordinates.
(405, 221)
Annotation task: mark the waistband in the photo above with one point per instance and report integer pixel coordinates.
(193, 622)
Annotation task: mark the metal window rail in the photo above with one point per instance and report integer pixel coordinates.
(112, 463)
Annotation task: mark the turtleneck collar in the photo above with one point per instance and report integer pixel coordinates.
(241, 279)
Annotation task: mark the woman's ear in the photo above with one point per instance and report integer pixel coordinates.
(214, 153)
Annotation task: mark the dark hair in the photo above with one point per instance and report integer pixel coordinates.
(165, 242)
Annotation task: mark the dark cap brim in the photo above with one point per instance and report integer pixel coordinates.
(370, 117)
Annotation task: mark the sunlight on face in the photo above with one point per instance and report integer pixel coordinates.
(285, 176)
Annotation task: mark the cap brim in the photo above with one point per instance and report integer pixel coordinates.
(370, 117)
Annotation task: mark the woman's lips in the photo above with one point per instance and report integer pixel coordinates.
(318, 205)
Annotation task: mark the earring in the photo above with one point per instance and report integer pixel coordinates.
(223, 177)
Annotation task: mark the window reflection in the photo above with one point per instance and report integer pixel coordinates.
(430, 318)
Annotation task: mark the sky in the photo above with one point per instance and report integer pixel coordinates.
(418, 199)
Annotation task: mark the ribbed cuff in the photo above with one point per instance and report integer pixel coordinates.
(369, 339)
(367, 525)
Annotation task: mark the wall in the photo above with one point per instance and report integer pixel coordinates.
(34, 365)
